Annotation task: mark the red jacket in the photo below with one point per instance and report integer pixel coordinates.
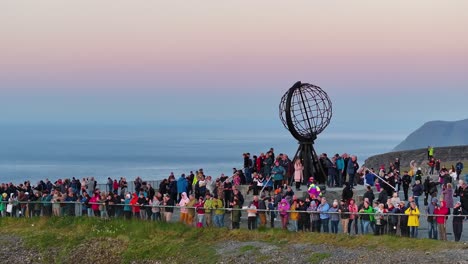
(442, 211)
(133, 203)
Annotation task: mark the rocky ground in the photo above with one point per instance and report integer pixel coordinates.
(13, 250)
(259, 252)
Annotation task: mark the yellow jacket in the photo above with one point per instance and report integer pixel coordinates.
(413, 216)
(293, 215)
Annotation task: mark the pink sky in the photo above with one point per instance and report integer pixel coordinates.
(247, 43)
(116, 60)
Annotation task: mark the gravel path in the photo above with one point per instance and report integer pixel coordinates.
(259, 252)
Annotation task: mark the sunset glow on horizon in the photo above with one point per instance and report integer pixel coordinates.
(126, 47)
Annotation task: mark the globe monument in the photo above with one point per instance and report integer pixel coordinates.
(306, 111)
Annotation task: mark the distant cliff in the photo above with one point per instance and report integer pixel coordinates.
(437, 134)
(445, 154)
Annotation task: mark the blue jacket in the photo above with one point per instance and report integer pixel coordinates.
(278, 173)
(324, 208)
(417, 190)
(182, 185)
(340, 164)
(370, 179)
(350, 169)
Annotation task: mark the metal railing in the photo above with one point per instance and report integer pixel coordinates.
(389, 223)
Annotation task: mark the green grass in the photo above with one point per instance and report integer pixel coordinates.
(125, 241)
(246, 248)
(316, 258)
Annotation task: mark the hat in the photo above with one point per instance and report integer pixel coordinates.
(4, 195)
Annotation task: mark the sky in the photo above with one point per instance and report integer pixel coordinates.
(388, 66)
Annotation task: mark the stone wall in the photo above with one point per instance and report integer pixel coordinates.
(445, 154)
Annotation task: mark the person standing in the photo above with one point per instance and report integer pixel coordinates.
(304, 216)
(283, 208)
(271, 209)
(267, 164)
(431, 164)
(430, 152)
(110, 184)
(278, 175)
(183, 207)
(441, 212)
(334, 217)
(298, 174)
(380, 221)
(367, 216)
(294, 216)
(228, 193)
(182, 186)
(457, 221)
(437, 166)
(397, 164)
(235, 214)
(248, 167)
(168, 208)
(353, 217)
(340, 168)
(459, 169)
(287, 165)
(324, 216)
(252, 216)
(352, 168)
(447, 192)
(217, 205)
(413, 219)
(333, 172)
(417, 191)
(200, 210)
(262, 207)
(430, 210)
(406, 181)
(208, 205)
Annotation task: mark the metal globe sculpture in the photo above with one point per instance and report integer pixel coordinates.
(306, 110)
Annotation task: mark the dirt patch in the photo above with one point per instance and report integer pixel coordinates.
(260, 252)
(98, 250)
(13, 250)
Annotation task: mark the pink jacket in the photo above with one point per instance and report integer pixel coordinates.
(283, 207)
(352, 211)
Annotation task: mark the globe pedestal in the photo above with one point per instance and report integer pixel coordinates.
(312, 166)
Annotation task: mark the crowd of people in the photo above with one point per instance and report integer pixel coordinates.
(204, 201)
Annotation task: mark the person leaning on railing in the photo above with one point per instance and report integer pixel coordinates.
(217, 205)
(457, 221)
(413, 219)
(3, 204)
(208, 212)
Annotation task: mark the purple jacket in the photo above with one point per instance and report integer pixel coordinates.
(448, 197)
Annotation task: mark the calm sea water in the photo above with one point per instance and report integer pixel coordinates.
(39, 152)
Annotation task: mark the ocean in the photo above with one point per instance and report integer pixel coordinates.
(36, 152)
